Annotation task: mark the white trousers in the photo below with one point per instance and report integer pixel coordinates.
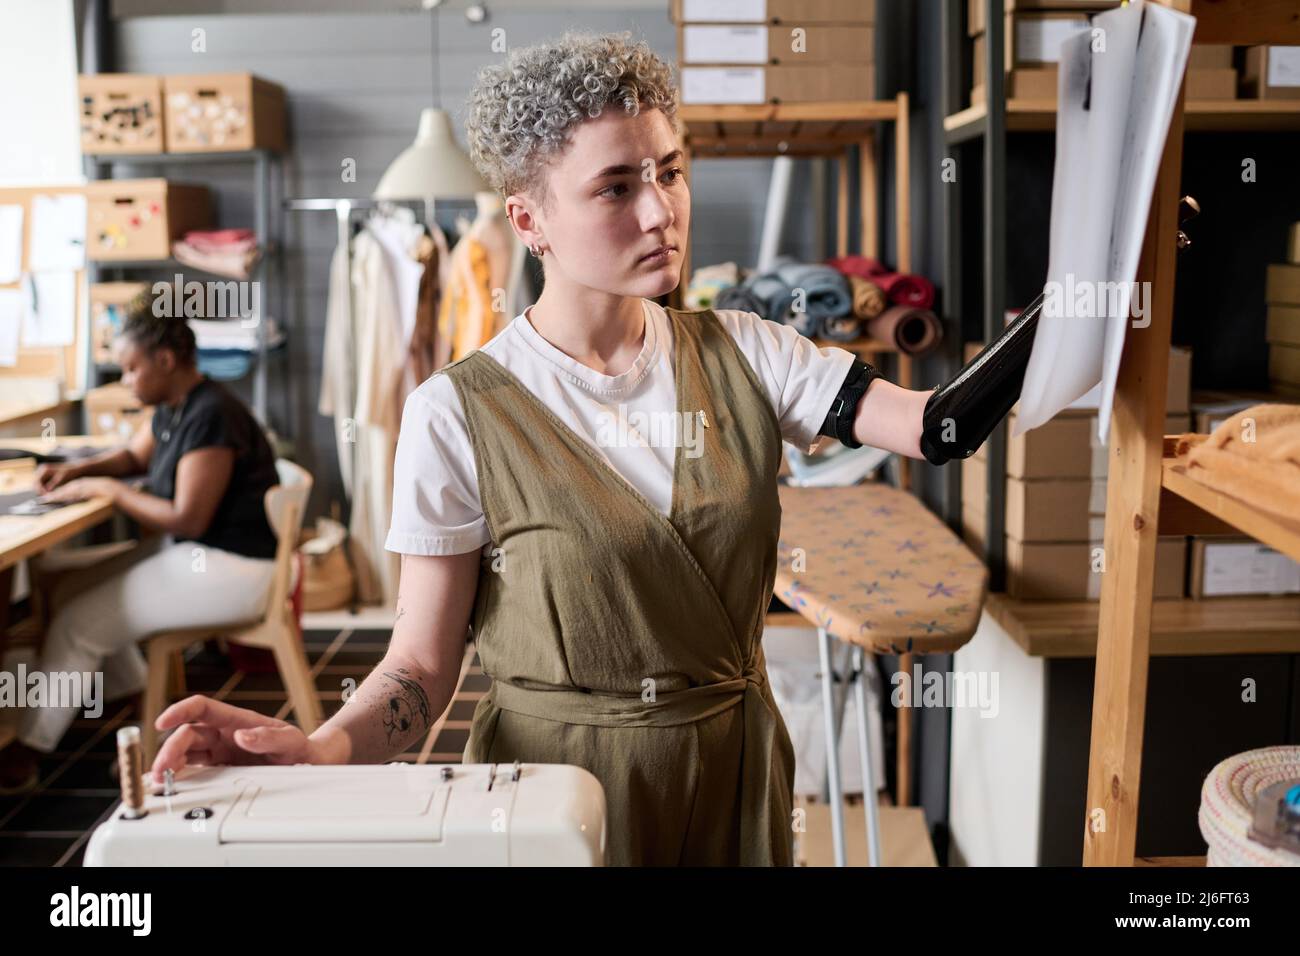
(158, 586)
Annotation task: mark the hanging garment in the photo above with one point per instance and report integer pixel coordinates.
(386, 282)
(631, 645)
(466, 319)
(430, 351)
(336, 363)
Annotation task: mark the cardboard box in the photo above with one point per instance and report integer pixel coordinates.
(140, 218)
(730, 43)
(1054, 509)
(113, 410)
(106, 303)
(1024, 83)
(120, 113)
(1224, 567)
(974, 527)
(1061, 448)
(1211, 408)
(1072, 571)
(1283, 284)
(975, 9)
(1293, 244)
(777, 84)
(1271, 73)
(223, 112)
(1178, 386)
(1216, 84)
(1284, 364)
(1284, 324)
(772, 11)
(1210, 56)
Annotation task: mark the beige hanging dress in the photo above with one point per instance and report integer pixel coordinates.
(628, 642)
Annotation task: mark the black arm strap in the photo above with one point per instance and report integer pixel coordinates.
(839, 420)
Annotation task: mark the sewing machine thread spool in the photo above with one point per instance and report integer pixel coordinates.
(130, 765)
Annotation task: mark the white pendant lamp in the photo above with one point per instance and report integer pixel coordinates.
(433, 167)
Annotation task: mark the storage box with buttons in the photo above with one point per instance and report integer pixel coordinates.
(107, 304)
(120, 113)
(223, 112)
(139, 218)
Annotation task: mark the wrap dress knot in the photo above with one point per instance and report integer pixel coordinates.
(626, 641)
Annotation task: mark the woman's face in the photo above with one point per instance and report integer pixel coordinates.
(618, 191)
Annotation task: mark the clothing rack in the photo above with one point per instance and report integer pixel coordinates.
(343, 210)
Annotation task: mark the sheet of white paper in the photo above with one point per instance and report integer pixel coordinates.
(58, 232)
(49, 317)
(11, 243)
(1113, 115)
(11, 320)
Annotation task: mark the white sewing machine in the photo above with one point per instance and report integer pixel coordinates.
(385, 815)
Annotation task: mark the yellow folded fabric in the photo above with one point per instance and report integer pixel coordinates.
(868, 298)
(1254, 456)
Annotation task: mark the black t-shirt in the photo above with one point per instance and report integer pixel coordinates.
(211, 416)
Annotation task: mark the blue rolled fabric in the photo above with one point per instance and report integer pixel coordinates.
(826, 290)
(738, 297)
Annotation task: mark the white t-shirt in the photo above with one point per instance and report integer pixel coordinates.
(436, 504)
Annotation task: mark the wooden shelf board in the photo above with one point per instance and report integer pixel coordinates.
(1179, 627)
(789, 129)
(1200, 115)
(1169, 861)
(865, 346)
(1277, 533)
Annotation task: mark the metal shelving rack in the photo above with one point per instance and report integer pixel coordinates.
(268, 225)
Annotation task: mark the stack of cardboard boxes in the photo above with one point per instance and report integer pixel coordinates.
(775, 51)
(1056, 503)
(1032, 40)
(1282, 293)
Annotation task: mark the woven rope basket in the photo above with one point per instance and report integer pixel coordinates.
(1228, 806)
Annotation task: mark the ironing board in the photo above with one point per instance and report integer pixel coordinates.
(872, 567)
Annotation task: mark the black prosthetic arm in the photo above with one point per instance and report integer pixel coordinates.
(961, 413)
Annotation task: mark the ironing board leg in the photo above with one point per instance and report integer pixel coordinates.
(859, 680)
(832, 747)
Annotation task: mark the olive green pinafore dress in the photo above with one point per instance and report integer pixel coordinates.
(628, 642)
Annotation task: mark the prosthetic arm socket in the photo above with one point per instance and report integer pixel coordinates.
(961, 413)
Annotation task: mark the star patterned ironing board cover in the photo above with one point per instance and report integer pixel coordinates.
(875, 567)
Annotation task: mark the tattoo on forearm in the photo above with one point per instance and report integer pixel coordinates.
(407, 707)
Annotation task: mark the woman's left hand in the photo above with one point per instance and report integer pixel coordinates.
(80, 489)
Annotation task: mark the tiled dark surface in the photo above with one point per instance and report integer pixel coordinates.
(77, 788)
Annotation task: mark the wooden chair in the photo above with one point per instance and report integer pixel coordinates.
(276, 630)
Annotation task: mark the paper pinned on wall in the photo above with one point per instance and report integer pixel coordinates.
(49, 316)
(58, 232)
(11, 320)
(11, 243)
(1115, 105)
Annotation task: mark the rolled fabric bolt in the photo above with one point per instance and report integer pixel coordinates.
(130, 765)
(868, 298)
(843, 328)
(913, 331)
(739, 297)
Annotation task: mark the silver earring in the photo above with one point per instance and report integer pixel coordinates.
(537, 252)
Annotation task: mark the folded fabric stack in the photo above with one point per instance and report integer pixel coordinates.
(707, 282)
(226, 347)
(225, 252)
(1254, 456)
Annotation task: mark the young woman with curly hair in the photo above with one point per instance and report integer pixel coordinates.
(616, 585)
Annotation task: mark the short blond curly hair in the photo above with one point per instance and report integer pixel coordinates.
(521, 111)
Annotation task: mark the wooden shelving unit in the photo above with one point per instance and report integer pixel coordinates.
(1143, 479)
(818, 130)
